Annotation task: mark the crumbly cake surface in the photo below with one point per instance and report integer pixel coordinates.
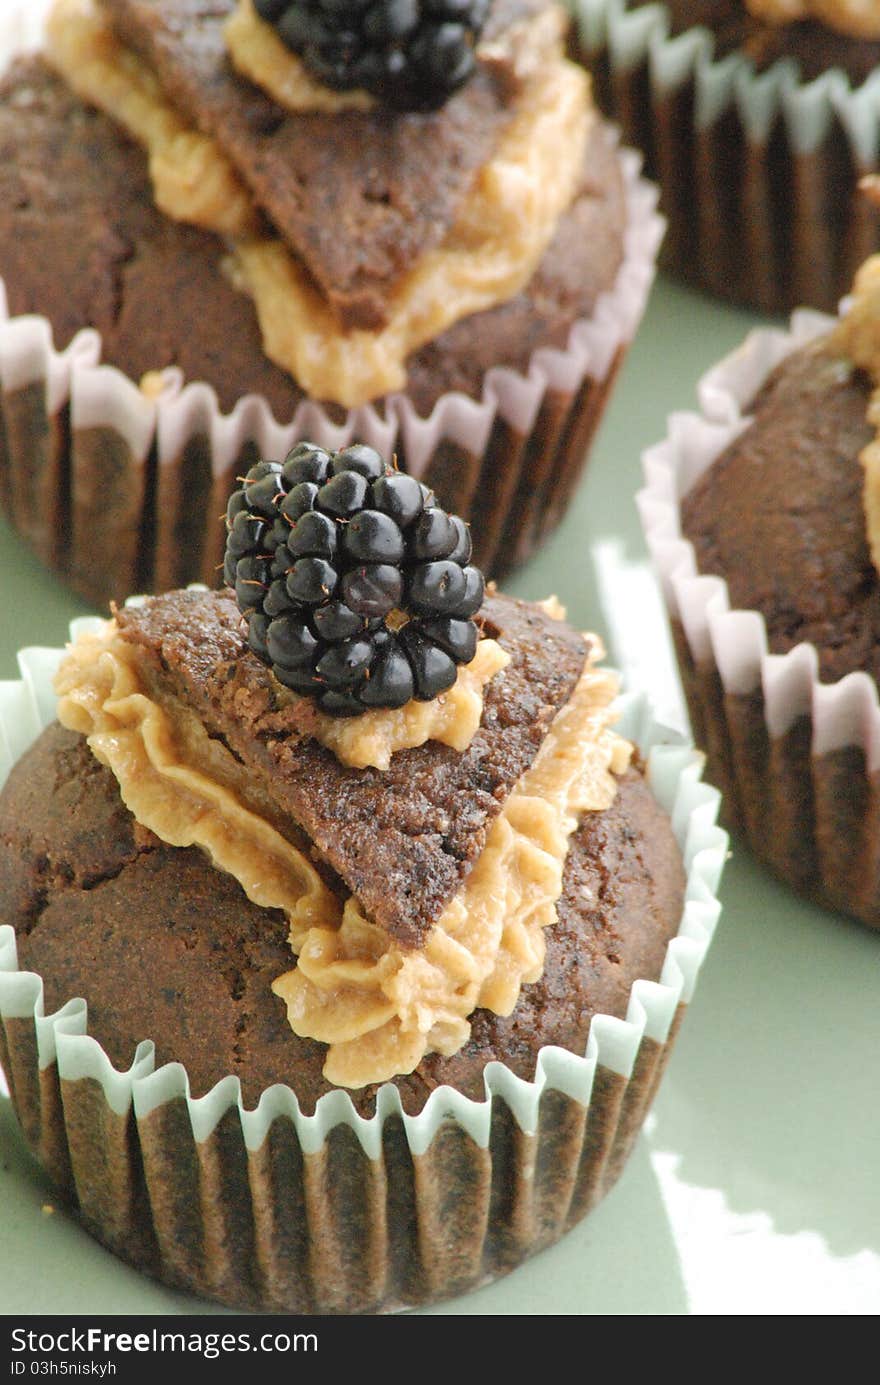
(779, 515)
(164, 946)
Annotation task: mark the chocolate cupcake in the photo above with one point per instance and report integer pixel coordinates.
(757, 118)
(376, 1002)
(260, 256)
(761, 516)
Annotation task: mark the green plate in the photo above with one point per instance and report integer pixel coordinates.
(753, 1188)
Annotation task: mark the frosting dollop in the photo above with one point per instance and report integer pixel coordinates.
(192, 180)
(259, 54)
(372, 738)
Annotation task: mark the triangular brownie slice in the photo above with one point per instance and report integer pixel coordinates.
(401, 840)
(358, 196)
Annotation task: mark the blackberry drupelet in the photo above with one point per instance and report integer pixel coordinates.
(410, 54)
(357, 588)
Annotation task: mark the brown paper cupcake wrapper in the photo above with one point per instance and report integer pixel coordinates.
(758, 172)
(274, 1210)
(120, 492)
(797, 760)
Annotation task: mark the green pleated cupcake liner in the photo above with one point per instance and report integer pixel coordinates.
(274, 1210)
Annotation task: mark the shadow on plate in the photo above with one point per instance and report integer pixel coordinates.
(771, 1096)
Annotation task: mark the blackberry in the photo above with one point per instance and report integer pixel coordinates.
(458, 638)
(313, 536)
(321, 549)
(311, 581)
(373, 591)
(372, 537)
(437, 589)
(299, 500)
(410, 54)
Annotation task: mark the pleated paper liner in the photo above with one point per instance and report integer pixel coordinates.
(118, 491)
(274, 1210)
(797, 760)
(758, 172)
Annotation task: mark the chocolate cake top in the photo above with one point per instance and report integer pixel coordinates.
(402, 840)
(359, 196)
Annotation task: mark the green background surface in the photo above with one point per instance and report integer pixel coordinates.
(753, 1188)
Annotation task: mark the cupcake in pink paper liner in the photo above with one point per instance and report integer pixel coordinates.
(255, 258)
(761, 516)
(757, 118)
(341, 951)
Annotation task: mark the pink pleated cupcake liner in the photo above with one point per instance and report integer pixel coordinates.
(274, 1210)
(797, 760)
(758, 171)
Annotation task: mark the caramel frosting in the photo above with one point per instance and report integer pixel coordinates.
(259, 54)
(859, 18)
(172, 781)
(504, 227)
(378, 1007)
(372, 738)
(192, 180)
(858, 337)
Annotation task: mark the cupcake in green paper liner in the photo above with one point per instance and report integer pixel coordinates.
(325, 999)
